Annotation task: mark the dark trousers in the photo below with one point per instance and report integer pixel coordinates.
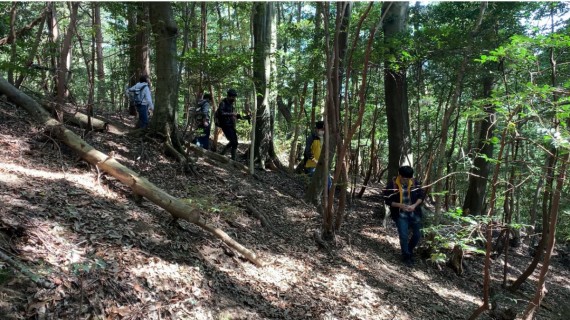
(203, 140)
(143, 115)
(231, 135)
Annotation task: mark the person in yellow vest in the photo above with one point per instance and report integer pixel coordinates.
(313, 149)
(404, 195)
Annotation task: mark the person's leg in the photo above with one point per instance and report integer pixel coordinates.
(416, 226)
(402, 224)
(233, 142)
(227, 132)
(143, 115)
(206, 138)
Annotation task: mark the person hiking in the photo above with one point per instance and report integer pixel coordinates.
(202, 122)
(140, 93)
(313, 149)
(404, 195)
(227, 117)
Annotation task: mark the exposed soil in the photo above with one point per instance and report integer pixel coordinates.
(111, 258)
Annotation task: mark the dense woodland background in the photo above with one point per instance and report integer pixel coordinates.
(473, 95)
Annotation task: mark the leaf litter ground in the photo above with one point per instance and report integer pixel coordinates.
(111, 258)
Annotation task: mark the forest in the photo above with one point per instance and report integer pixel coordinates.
(103, 219)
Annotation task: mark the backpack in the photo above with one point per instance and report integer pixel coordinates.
(135, 94)
(218, 117)
(197, 115)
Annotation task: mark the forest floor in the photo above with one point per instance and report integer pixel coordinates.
(111, 258)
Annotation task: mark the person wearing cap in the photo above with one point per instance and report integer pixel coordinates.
(313, 149)
(404, 195)
(228, 118)
(203, 122)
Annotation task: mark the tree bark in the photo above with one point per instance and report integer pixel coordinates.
(165, 117)
(475, 195)
(396, 92)
(264, 20)
(99, 52)
(12, 41)
(139, 185)
(65, 58)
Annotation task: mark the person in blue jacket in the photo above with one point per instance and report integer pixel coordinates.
(145, 101)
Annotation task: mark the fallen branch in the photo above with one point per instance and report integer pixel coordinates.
(216, 156)
(25, 271)
(256, 213)
(139, 185)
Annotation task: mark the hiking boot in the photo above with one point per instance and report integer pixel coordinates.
(408, 261)
(234, 153)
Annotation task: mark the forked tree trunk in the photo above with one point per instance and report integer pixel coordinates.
(139, 185)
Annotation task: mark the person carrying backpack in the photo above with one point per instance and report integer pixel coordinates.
(313, 148)
(226, 117)
(202, 121)
(404, 195)
(139, 94)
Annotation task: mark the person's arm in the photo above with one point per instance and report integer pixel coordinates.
(148, 98)
(420, 195)
(205, 109)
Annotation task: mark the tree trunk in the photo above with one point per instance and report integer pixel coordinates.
(475, 195)
(34, 50)
(99, 51)
(142, 47)
(139, 185)
(65, 58)
(54, 44)
(555, 208)
(165, 32)
(396, 92)
(12, 41)
(263, 19)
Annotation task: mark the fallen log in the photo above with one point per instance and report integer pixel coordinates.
(139, 185)
(79, 119)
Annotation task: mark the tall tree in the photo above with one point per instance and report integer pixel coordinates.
(395, 86)
(263, 26)
(65, 57)
(476, 191)
(165, 118)
(99, 52)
